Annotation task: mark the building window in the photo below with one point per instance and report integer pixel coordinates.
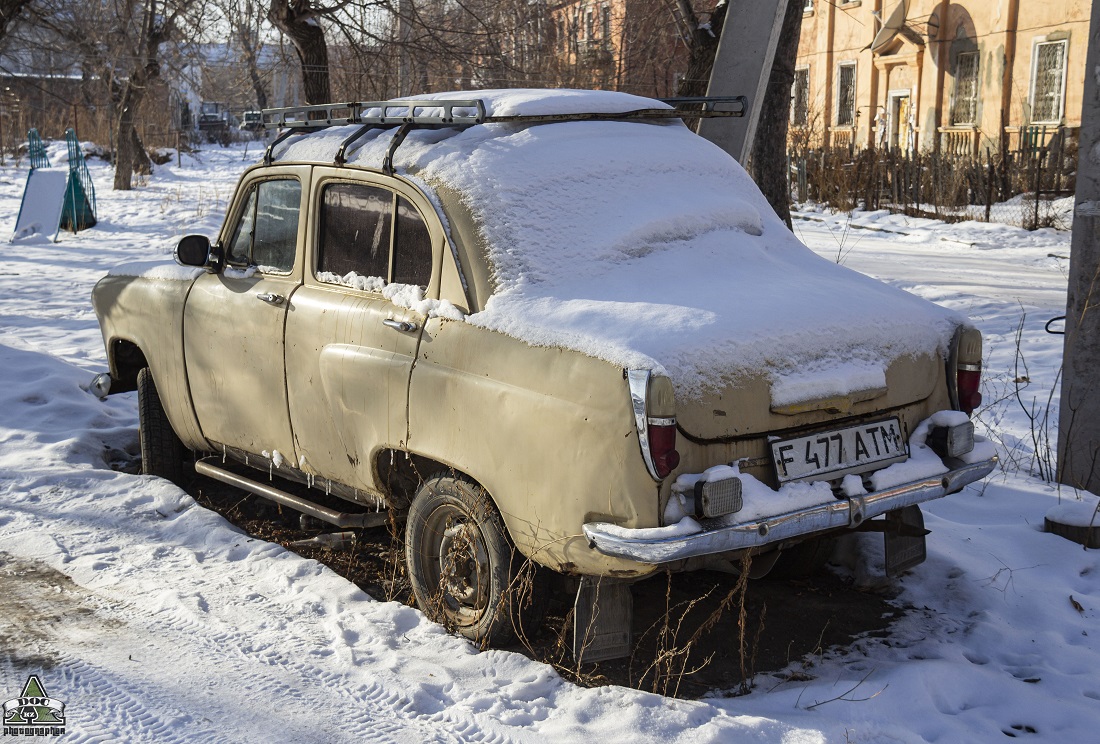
(589, 24)
(964, 110)
(800, 98)
(605, 22)
(1048, 78)
(808, 6)
(846, 95)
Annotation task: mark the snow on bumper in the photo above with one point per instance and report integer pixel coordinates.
(686, 541)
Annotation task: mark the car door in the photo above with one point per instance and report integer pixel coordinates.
(350, 349)
(235, 320)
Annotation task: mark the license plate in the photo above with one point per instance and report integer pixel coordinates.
(832, 454)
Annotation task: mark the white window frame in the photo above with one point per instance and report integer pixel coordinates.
(855, 83)
(1038, 42)
(794, 97)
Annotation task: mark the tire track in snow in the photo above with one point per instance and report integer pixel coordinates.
(288, 675)
(315, 635)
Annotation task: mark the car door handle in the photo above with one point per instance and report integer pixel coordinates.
(271, 298)
(400, 325)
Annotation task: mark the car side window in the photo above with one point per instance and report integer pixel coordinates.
(275, 238)
(267, 231)
(412, 250)
(355, 230)
(240, 246)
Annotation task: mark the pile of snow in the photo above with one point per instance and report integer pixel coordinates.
(647, 246)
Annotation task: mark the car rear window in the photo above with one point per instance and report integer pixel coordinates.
(355, 230)
(412, 255)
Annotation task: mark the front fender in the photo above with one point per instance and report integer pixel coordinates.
(148, 313)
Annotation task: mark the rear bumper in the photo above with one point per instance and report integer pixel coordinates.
(842, 513)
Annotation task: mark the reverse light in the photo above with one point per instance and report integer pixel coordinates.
(952, 441)
(717, 498)
(654, 406)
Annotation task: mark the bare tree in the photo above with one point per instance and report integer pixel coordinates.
(300, 21)
(155, 25)
(121, 41)
(768, 163)
(9, 11)
(702, 40)
(245, 19)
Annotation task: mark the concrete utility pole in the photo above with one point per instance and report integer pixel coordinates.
(1079, 418)
(742, 67)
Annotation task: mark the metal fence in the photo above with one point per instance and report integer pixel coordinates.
(1031, 186)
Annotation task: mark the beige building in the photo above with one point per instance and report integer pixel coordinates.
(636, 46)
(927, 74)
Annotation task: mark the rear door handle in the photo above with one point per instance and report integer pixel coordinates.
(271, 298)
(400, 325)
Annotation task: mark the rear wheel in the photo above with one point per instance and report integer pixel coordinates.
(162, 452)
(464, 570)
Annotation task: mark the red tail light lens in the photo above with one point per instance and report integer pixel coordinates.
(662, 447)
(969, 381)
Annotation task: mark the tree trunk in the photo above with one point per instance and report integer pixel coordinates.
(768, 163)
(126, 141)
(295, 19)
(257, 82)
(142, 162)
(704, 45)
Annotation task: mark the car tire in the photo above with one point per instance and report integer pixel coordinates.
(162, 452)
(805, 560)
(464, 570)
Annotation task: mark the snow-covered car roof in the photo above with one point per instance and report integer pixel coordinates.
(644, 244)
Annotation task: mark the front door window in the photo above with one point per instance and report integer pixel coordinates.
(266, 235)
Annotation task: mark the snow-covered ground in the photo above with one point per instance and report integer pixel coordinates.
(153, 619)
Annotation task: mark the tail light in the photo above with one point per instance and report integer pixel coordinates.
(662, 445)
(966, 364)
(654, 414)
(968, 382)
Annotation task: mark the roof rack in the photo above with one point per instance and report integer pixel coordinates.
(430, 113)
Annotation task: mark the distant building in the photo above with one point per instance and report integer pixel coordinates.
(636, 46)
(928, 74)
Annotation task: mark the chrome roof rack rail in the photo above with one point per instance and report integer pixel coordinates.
(430, 113)
(453, 113)
(426, 112)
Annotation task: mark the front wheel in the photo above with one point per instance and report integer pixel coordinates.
(463, 568)
(162, 452)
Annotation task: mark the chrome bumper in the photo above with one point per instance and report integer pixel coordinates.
(843, 513)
